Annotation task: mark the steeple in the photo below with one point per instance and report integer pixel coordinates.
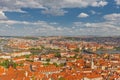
(92, 63)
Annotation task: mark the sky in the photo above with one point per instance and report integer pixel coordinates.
(59, 17)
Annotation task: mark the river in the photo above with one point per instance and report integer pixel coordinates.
(108, 51)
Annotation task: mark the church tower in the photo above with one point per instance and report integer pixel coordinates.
(92, 63)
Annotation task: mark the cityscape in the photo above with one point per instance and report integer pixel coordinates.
(59, 39)
(59, 58)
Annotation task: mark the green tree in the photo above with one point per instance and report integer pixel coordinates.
(57, 55)
(5, 64)
(55, 64)
(76, 50)
(76, 55)
(35, 50)
(62, 64)
(61, 78)
(46, 64)
(8, 63)
(27, 56)
(48, 60)
(117, 48)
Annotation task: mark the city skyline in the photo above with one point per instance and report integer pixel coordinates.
(59, 17)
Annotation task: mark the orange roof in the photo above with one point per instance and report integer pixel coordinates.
(26, 78)
(2, 70)
(93, 75)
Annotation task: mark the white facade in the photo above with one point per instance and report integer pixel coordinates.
(98, 78)
(20, 54)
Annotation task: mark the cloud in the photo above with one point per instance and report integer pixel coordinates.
(114, 16)
(83, 15)
(111, 26)
(54, 7)
(101, 29)
(84, 3)
(117, 2)
(2, 15)
(100, 3)
(16, 5)
(54, 12)
(24, 28)
(93, 12)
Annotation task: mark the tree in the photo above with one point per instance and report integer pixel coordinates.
(5, 64)
(61, 78)
(117, 48)
(27, 56)
(46, 64)
(62, 64)
(76, 55)
(76, 50)
(8, 63)
(48, 60)
(57, 55)
(35, 50)
(55, 64)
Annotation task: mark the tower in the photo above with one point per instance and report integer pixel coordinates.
(92, 63)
